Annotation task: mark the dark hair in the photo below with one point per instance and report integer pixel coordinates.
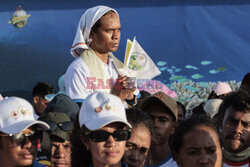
(213, 95)
(185, 127)
(136, 117)
(239, 100)
(41, 89)
(245, 83)
(98, 23)
(198, 110)
(182, 106)
(1, 145)
(80, 155)
(143, 94)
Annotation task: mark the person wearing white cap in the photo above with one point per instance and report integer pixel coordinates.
(19, 133)
(212, 107)
(220, 91)
(100, 132)
(95, 67)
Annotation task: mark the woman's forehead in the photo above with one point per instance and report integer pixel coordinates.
(114, 125)
(29, 129)
(110, 19)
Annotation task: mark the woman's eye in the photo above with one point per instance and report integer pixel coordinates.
(67, 146)
(163, 119)
(129, 146)
(143, 150)
(109, 30)
(54, 145)
(193, 152)
(211, 151)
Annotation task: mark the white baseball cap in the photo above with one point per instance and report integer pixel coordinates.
(16, 115)
(212, 107)
(62, 89)
(100, 109)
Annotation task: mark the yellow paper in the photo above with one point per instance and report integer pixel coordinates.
(128, 48)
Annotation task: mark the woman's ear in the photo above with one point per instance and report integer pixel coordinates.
(91, 34)
(174, 126)
(35, 99)
(85, 141)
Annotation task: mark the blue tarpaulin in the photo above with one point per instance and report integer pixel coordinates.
(188, 40)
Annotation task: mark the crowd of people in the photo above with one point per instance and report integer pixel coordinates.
(100, 119)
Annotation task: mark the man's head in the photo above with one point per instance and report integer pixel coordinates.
(245, 83)
(19, 132)
(164, 111)
(40, 90)
(235, 114)
(181, 111)
(60, 130)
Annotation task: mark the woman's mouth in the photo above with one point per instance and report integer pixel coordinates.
(27, 156)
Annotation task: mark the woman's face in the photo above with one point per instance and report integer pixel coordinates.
(107, 37)
(108, 152)
(137, 146)
(13, 154)
(200, 148)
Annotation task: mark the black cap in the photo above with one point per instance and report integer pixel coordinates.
(63, 104)
(58, 118)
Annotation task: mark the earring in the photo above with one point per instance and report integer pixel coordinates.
(88, 41)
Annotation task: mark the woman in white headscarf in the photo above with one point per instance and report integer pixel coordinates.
(95, 67)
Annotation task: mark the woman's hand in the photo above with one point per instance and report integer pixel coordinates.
(124, 88)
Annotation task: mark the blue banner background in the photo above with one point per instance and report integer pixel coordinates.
(188, 40)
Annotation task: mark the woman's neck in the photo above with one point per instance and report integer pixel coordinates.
(103, 56)
(96, 164)
(5, 164)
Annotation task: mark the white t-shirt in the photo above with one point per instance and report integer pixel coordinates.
(76, 78)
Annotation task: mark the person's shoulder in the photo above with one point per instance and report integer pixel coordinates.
(77, 62)
(124, 165)
(166, 163)
(77, 65)
(169, 162)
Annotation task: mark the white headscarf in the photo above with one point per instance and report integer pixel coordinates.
(88, 19)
